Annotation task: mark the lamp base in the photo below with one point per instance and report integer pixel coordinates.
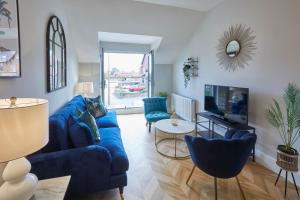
(18, 184)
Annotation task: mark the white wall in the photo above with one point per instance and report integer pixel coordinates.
(90, 72)
(163, 78)
(116, 47)
(34, 15)
(276, 63)
(87, 18)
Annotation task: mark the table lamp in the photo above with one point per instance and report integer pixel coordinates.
(24, 129)
(85, 88)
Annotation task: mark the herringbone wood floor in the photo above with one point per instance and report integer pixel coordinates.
(154, 177)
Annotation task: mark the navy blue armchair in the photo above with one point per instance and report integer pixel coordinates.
(221, 158)
(155, 109)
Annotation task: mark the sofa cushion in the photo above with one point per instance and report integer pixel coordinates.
(155, 116)
(96, 105)
(58, 134)
(108, 120)
(89, 120)
(79, 133)
(112, 141)
(58, 126)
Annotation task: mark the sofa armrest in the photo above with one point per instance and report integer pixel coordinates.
(81, 163)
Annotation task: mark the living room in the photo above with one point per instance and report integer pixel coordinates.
(247, 49)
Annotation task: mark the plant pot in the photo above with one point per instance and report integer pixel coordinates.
(287, 158)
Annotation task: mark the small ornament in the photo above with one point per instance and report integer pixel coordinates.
(174, 119)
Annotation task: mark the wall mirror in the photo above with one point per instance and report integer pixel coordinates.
(233, 48)
(236, 47)
(56, 55)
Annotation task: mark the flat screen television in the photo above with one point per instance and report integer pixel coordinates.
(228, 103)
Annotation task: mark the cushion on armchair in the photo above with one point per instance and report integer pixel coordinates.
(156, 116)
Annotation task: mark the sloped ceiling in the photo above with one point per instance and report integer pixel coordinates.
(200, 5)
(88, 17)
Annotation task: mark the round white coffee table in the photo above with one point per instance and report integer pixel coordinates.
(182, 128)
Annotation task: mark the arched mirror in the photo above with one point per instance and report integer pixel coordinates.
(233, 48)
(56, 55)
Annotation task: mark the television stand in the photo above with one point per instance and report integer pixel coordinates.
(225, 124)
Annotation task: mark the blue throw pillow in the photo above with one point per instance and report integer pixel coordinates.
(79, 133)
(90, 121)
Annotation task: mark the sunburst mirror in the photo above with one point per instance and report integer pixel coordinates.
(236, 47)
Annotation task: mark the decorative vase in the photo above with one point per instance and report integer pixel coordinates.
(287, 158)
(174, 119)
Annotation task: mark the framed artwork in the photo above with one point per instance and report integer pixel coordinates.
(10, 58)
(56, 55)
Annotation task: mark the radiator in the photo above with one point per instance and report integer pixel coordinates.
(184, 107)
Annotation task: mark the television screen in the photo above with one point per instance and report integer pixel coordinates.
(230, 103)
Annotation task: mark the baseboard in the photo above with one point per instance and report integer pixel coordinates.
(270, 163)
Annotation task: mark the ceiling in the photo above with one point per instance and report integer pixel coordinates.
(129, 21)
(200, 5)
(128, 38)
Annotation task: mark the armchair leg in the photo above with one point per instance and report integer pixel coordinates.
(149, 127)
(121, 190)
(216, 188)
(240, 187)
(187, 181)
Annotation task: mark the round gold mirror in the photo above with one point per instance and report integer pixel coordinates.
(233, 48)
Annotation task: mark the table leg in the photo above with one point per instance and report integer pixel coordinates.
(155, 136)
(175, 145)
(286, 178)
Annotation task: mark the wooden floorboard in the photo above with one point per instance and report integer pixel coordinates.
(154, 177)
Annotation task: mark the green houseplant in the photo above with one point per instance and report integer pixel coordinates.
(162, 94)
(288, 125)
(186, 74)
(5, 12)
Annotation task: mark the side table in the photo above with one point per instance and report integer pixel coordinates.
(52, 189)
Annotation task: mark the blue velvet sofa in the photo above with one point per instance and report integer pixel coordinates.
(92, 168)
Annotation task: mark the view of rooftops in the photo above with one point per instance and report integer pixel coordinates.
(126, 79)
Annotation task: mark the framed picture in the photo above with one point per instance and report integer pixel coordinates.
(10, 63)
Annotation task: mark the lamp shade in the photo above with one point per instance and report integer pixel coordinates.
(24, 127)
(85, 88)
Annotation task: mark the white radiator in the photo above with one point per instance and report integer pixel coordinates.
(184, 107)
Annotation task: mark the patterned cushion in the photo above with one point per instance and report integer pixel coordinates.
(90, 121)
(156, 116)
(96, 106)
(77, 112)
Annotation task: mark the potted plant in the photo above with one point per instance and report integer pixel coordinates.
(186, 74)
(288, 126)
(4, 12)
(163, 94)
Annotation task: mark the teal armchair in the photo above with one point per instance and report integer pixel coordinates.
(155, 109)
